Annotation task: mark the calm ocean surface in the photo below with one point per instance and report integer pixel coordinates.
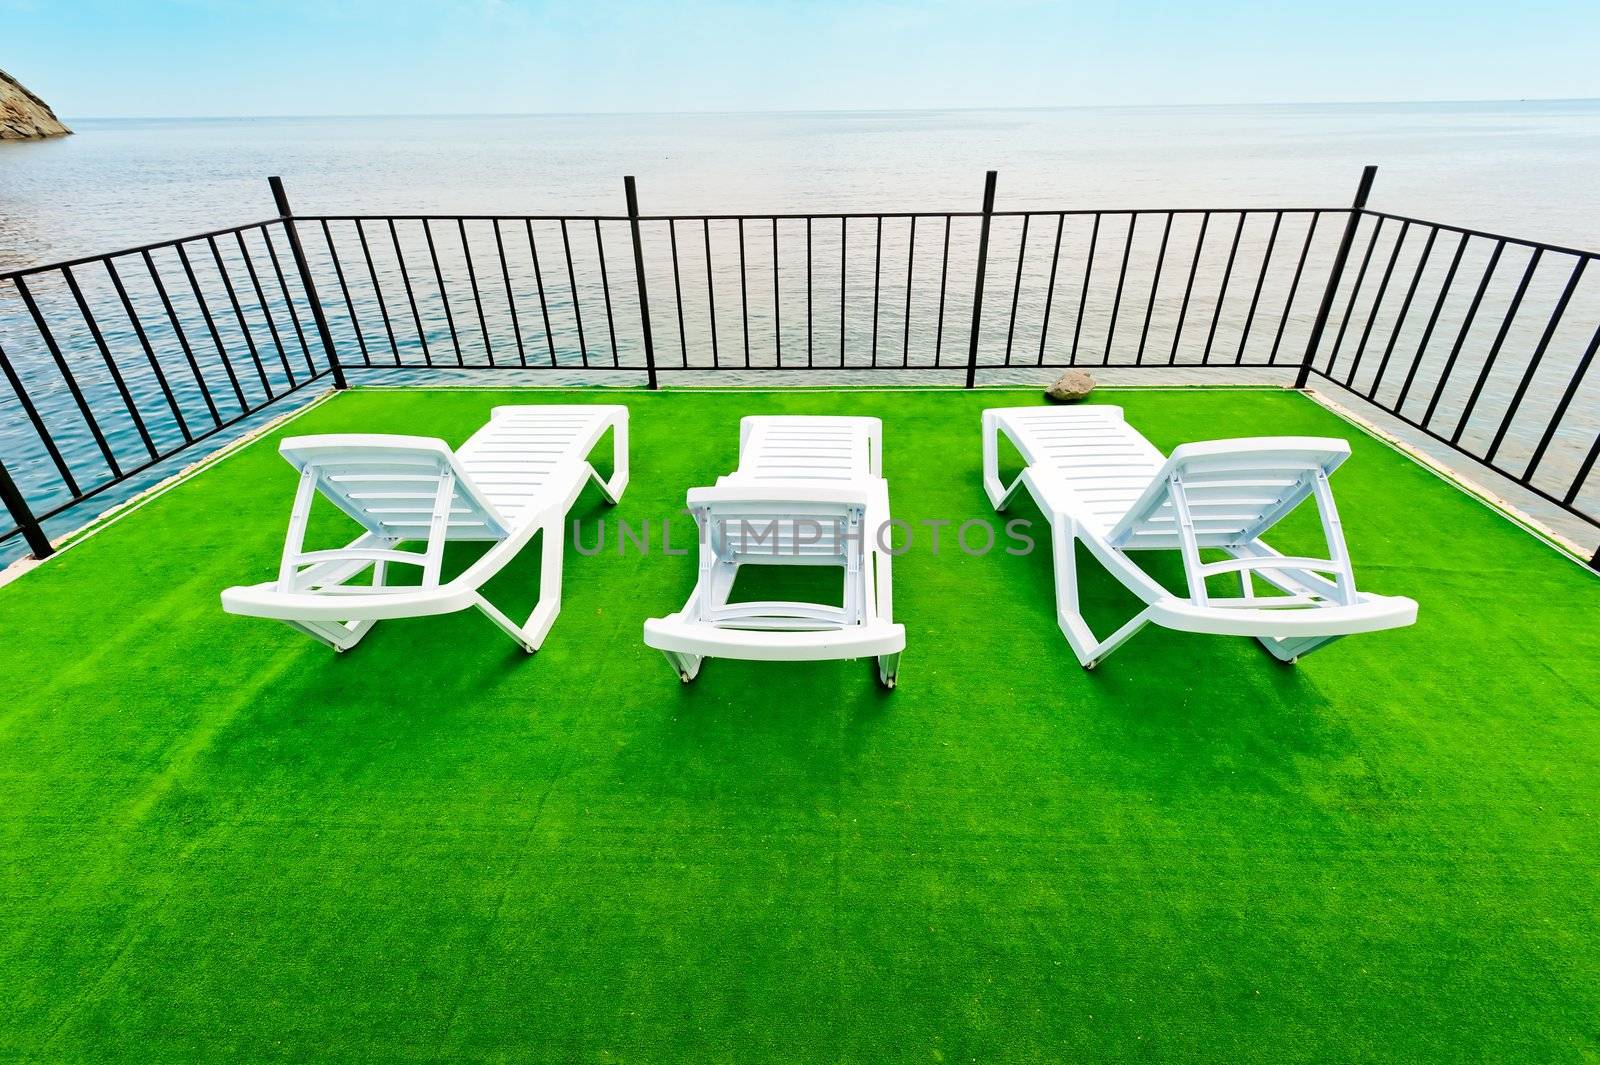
(1526, 169)
(1522, 169)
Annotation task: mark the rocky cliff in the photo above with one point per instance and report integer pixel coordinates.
(23, 115)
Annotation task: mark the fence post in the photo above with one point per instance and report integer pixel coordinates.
(632, 193)
(983, 266)
(32, 531)
(281, 198)
(1337, 274)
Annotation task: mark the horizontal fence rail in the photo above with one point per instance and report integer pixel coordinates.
(117, 363)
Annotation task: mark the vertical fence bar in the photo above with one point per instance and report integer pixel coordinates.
(605, 289)
(844, 246)
(28, 408)
(211, 326)
(183, 337)
(1222, 293)
(538, 286)
(944, 277)
(572, 285)
(810, 319)
(1433, 320)
(377, 289)
(1122, 279)
(238, 316)
(632, 193)
(149, 351)
(1016, 290)
(1188, 289)
(261, 301)
(1405, 309)
(67, 376)
(711, 291)
(344, 287)
(14, 502)
(977, 286)
(444, 294)
(877, 277)
(472, 279)
(744, 296)
(288, 302)
(1561, 407)
(1536, 358)
(1466, 328)
(677, 290)
(777, 307)
(1155, 287)
(111, 364)
(1499, 342)
(1357, 205)
(281, 198)
(1294, 288)
(1261, 279)
(1355, 293)
(411, 294)
(1372, 316)
(1050, 288)
(911, 262)
(1083, 293)
(511, 301)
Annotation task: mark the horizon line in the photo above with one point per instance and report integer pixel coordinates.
(835, 110)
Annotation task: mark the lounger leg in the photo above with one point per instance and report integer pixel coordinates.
(1090, 649)
(1291, 650)
(553, 553)
(1063, 545)
(1000, 495)
(888, 669)
(339, 636)
(614, 488)
(685, 665)
(531, 634)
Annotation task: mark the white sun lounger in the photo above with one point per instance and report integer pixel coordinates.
(808, 492)
(516, 476)
(1099, 481)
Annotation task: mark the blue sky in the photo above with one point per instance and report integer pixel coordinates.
(93, 58)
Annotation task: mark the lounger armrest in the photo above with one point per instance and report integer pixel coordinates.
(265, 601)
(1324, 451)
(1369, 613)
(676, 633)
(778, 493)
(298, 449)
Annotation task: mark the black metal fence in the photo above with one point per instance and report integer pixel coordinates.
(117, 363)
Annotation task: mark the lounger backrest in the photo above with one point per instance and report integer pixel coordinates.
(1234, 490)
(797, 447)
(780, 523)
(390, 484)
(784, 523)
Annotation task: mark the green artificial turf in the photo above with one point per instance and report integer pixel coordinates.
(221, 842)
